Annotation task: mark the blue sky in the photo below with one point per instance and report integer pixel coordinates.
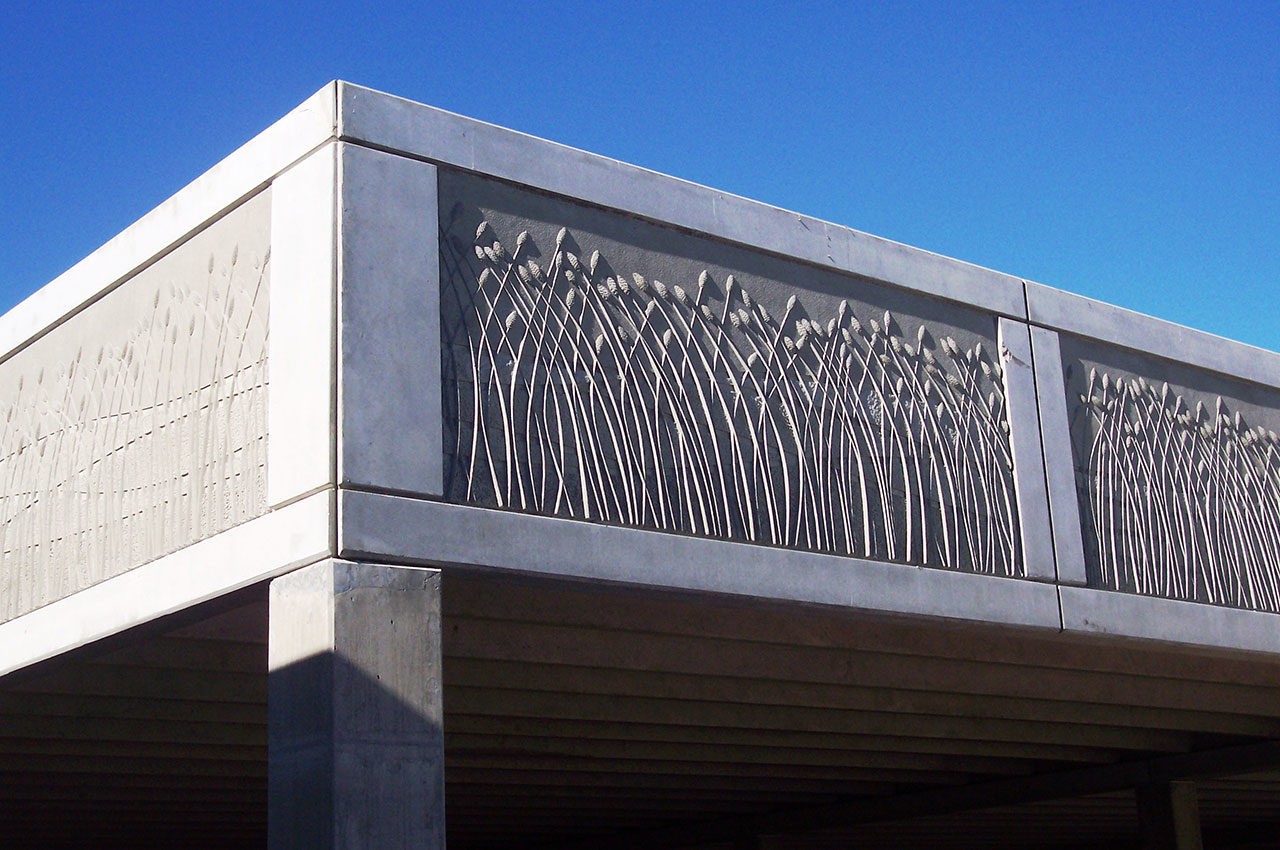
(1125, 151)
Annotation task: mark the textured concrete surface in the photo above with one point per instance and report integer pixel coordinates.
(356, 748)
(139, 426)
(604, 368)
(1085, 317)
(372, 421)
(603, 678)
(1178, 476)
(275, 543)
(236, 178)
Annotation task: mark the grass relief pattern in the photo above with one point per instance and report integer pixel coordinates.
(1179, 501)
(140, 444)
(689, 407)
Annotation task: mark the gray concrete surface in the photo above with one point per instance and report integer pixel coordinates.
(356, 748)
(1028, 457)
(381, 526)
(1059, 468)
(392, 123)
(389, 323)
(139, 426)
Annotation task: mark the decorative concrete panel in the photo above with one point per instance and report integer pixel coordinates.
(138, 426)
(604, 368)
(1178, 477)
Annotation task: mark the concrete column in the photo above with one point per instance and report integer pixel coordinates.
(356, 751)
(1169, 816)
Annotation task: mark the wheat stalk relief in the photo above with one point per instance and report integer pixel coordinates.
(625, 400)
(138, 446)
(1179, 501)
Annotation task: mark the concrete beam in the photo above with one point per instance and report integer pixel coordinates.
(413, 129)
(376, 526)
(1064, 311)
(1060, 470)
(259, 549)
(1109, 612)
(356, 749)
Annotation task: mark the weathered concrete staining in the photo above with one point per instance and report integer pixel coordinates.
(355, 739)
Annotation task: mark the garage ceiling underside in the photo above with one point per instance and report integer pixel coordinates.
(573, 713)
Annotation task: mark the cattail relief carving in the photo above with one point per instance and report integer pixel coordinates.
(1179, 498)
(141, 429)
(575, 390)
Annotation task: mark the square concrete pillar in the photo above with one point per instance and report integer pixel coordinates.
(1169, 816)
(356, 750)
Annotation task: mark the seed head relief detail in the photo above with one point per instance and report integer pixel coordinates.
(690, 407)
(1179, 498)
(147, 437)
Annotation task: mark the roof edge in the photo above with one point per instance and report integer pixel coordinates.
(188, 211)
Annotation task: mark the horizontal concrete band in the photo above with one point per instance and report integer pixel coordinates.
(413, 129)
(399, 528)
(1153, 618)
(268, 546)
(376, 526)
(1065, 311)
(403, 126)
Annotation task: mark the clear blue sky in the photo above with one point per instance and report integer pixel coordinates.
(1129, 151)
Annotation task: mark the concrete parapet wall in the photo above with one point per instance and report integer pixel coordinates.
(461, 313)
(1178, 477)
(139, 426)
(602, 368)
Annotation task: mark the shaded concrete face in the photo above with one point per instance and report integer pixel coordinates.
(605, 368)
(1178, 477)
(355, 736)
(585, 713)
(138, 426)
